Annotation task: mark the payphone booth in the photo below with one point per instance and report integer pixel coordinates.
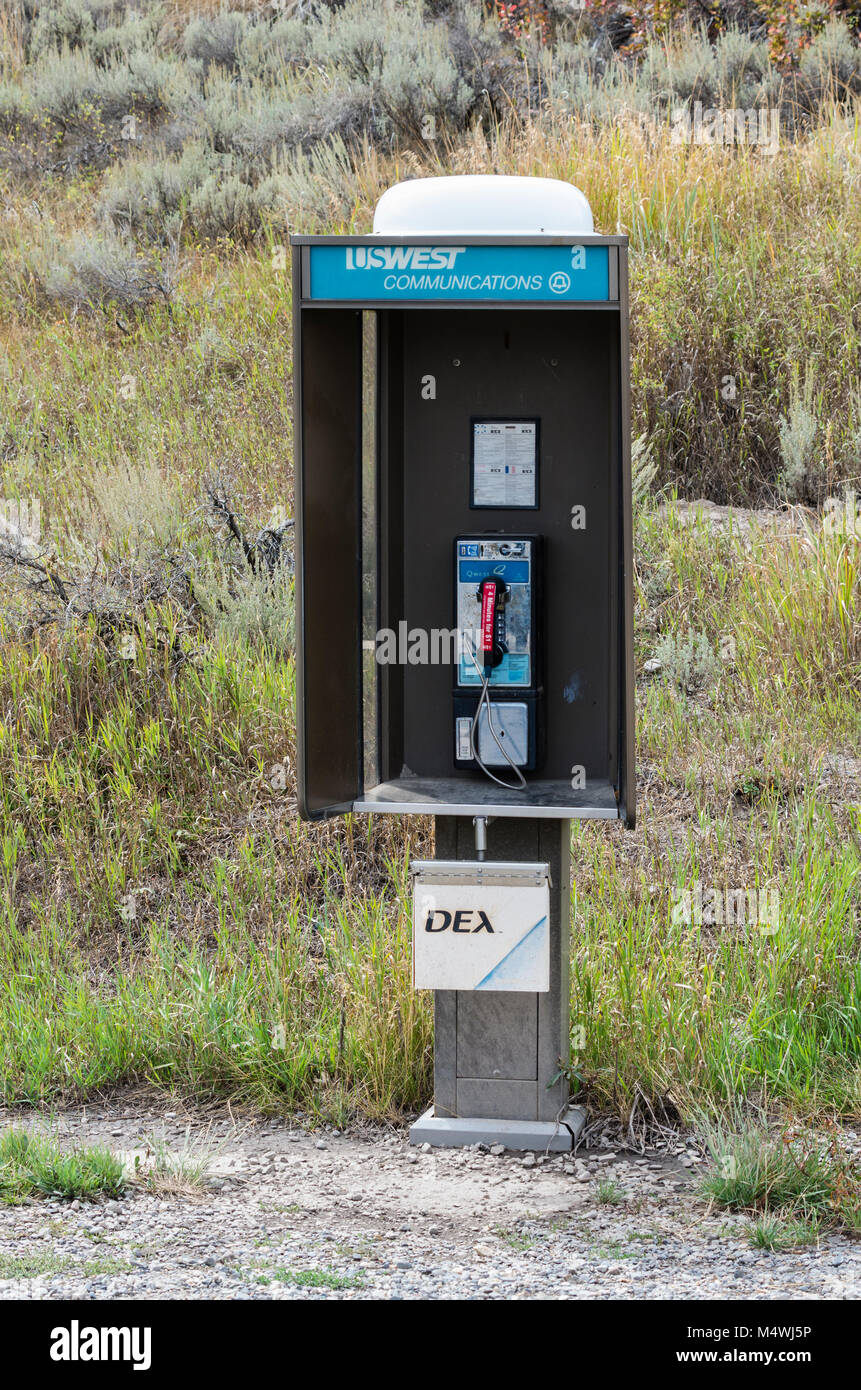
(464, 596)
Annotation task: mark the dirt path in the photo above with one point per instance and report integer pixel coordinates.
(286, 1214)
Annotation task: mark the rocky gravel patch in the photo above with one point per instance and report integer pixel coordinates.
(287, 1214)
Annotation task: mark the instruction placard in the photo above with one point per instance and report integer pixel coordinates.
(505, 463)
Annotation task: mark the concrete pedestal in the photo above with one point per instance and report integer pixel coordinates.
(543, 1136)
(497, 1054)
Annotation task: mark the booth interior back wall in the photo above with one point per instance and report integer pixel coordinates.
(562, 368)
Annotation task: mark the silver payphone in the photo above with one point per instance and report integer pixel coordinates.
(497, 677)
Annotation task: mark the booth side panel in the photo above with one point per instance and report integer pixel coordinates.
(327, 386)
(614, 707)
(391, 534)
(627, 776)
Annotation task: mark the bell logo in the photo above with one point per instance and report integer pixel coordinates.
(463, 921)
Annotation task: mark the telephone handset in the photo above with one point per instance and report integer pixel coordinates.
(497, 684)
(493, 594)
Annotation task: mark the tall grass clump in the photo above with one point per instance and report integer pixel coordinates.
(34, 1165)
(796, 1184)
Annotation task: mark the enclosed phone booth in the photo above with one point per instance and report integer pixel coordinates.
(464, 577)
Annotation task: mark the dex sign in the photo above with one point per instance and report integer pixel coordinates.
(487, 934)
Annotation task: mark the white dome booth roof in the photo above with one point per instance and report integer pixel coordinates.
(483, 205)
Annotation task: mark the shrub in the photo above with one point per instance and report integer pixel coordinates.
(252, 128)
(136, 32)
(223, 196)
(246, 591)
(644, 469)
(14, 106)
(346, 112)
(256, 125)
(354, 37)
(733, 72)
(798, 432)
(140, 83)
(145, 196)
(63, 84)
(421, 90)
(484, 61)
(404, 62)
(218, 39)
(831, 65)
(742, 64)
(227, 206)
(70, 87)
(215, 353)
(137, 510)
(688, 661)
(100, 272)
(252, 608)
(271, 49)
(87, 25)
(65, 23)
(691, 70)
(319, 188)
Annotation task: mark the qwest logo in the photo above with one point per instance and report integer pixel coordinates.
(459, 921)
(402, 257)
(76, 1343)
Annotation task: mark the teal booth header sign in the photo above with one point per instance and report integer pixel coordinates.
(548, 274)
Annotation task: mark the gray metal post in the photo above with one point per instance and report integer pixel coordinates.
(497, 1055)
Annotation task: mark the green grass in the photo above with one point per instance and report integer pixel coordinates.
(33, 1266)
(734, 800)
(313, 1279)
(270, 960)
(515, 1239)
(779, 1233)
(210, 983)
(38, 1265)
(33, 1165)
(609, 1192)
(757, 1170)
(614, 1251)
(796, 1184)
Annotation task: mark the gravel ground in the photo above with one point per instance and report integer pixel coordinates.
(285, 1214)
